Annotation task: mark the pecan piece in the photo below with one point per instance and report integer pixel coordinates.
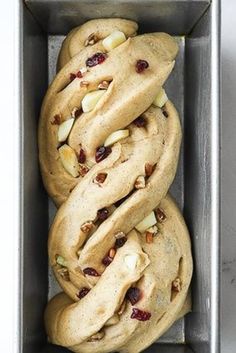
(103, 85)
(87, 227)
(140, 182)
(149, 168)
(91, 40)
(176, 285)
(100, 178)
(97, 337)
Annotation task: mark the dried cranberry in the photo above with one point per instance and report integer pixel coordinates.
(91, 272)
(107, 260)
(96, 59)
(140, 122)
(83, 292)
(102, 153)
(81, 156)
(102, 214)
(79, 74)
(120, 242)
(140, 314)
(141, 65)
(133, 295)
(72, 76)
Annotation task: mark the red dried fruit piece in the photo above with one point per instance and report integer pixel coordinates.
(79, 74)
(102, 214)
(102, 153)
(83, 292)
(72, 76)
(140, 122)
(161, 217)
(141, 65)
(56, 120)
(133, 295)
(96, 59)
(140, 314)
(91, 272)
(107, 260)
(120, 242)
(81, 156)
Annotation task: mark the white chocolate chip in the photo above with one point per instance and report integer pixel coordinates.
(161, 98)
(91, 99)
(116, 136)
(147, 222)
(64, 129)
(69, 160)
(113, 40)
(131, 261)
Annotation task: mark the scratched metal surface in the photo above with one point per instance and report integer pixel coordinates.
(193, 88)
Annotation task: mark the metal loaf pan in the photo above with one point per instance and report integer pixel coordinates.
(194, 88)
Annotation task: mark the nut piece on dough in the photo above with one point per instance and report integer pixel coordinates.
(113, 40)
(64, 129)
(147, 222)
(69, 160)
(116, 136)
(161, 98)
(91, 99)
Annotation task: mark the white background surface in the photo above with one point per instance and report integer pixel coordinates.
(10, 170)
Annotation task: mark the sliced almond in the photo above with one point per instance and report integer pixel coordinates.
(87, 227)
(161, 98)
(116, 136)
(91, 99)
(140, 182)
(147, 222)
(64, 129)
(113, 40)
(69, 160)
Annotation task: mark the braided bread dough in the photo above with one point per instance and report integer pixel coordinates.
(96, 323)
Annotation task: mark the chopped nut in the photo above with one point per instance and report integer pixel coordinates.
(122, 308)
(176, 285)
(161, 217)
(149, 168)
(83, 169)
(112, 253)
(149, 238)
(75, 112)
(87, 227)
(153, 230)
(103, 85)
(119, 235)
(100, 178)
(91, 40)
(56, 119)
(140, 182)
(97, 337)
(64, 273)
(84, 83)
